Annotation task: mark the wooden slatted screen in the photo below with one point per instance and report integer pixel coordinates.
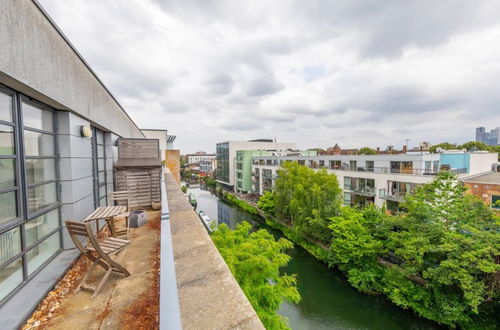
(143, 186)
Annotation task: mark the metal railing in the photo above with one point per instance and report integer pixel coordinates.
(170, 315)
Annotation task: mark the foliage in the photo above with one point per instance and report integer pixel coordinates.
(266, 203)
(241, 204)
(307, 198)
(184, 189)
(210, 182)
(255, 260)
(443, 145)
(367, 151)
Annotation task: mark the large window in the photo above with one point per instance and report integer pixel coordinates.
(29, 197)
(99, 167)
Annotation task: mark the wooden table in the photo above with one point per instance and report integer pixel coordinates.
(106, 213)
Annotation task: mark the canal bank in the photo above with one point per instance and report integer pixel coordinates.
(328, 300)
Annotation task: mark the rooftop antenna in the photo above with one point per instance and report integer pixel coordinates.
(407, 140)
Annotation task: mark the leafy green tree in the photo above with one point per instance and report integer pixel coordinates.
(444, 145)
(255, 260)
(266, 203)
(367, 151)
(307, 198)
(184, 189)
(475, 145)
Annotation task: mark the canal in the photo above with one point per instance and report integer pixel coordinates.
(328, 300)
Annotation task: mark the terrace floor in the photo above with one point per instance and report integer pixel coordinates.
(124, 302)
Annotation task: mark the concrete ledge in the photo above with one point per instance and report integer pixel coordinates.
(209, 296)
(19, 307)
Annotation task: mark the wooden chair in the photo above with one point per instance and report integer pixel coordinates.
(103, 248)
(117, 196)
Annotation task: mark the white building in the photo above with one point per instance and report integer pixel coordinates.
(226, 155)
(378, 179)
(198, 157)
(160, 134)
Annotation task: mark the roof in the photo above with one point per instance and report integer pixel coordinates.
(488, 178)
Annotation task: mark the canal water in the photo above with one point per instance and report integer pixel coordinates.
(328, 300)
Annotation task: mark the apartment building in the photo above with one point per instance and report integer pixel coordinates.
(198, 157)
(226, 157)
(58, 127)
(244, 164)
(376, 179)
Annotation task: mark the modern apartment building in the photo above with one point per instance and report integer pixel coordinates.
(491, 138)
(198, 157)
(244, 164)
(58, 127)
(226, 156)
(377, 179)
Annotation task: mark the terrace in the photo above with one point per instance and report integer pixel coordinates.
(177, 280)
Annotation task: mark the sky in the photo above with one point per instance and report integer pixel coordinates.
(357, 73)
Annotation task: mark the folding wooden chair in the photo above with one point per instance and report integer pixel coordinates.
(103, 248)
(120, 196)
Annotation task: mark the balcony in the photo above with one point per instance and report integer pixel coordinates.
(361, 191)
(395, 196)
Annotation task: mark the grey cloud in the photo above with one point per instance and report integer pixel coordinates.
(263, 86)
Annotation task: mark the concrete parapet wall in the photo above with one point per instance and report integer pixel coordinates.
(209, 296)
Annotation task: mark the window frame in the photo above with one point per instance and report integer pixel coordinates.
(21, 187)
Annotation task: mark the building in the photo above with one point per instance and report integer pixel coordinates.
(377, 179)
(244, 164)
(486, 186)
(226, 156)
(58, 128)
(208, 166)
(491, 138)
(198, 157)
(159, 134)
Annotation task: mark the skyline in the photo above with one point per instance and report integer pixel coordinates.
(316, 73)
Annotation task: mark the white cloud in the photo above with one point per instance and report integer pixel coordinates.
(312, 72)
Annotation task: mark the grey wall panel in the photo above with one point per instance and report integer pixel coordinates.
(75, 211)
(72, 146)
(74, 168)
(72, 191)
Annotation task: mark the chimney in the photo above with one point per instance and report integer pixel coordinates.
(378, 150)
(404, 149)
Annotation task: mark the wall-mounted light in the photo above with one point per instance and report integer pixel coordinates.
(85, 131)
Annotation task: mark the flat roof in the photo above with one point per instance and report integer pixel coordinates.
(488, 178)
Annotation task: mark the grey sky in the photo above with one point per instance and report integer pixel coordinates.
(313, 72)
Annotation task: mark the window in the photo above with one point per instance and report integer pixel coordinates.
(402, 167)
(239, 166)
(347, 183)
(353, 165)
(239, 175)
(29, 197)
(99, 167)
(495, 201)
(334, 164)
(321, 163)
(370, 165)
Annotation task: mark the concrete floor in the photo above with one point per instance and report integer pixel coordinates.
(107, 309)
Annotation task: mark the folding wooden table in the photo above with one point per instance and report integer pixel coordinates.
(106, 213)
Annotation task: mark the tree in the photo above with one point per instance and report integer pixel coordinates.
(266, 203)
(308, 199)
(444, 145)
(367, 151)
(255, 260)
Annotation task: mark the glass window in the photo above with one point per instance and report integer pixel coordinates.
(10, 277)
(495, 201)
(6, 140)
(102, 190)
(100, 151)
(38, 144)
(347, 183)
(100, 164)
(10, 244)
(37, 228)
(5, 107)
(102, 177)
(40, 170)
(99, 136)
(102, 202)
(41, 196)
(43, 251)
(8, 206)
(370, 164)
(37, 118)
(7, 173)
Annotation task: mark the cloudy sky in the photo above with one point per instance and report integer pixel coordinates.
(351, 72)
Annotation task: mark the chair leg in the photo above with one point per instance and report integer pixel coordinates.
(84, 279)
(101, 284)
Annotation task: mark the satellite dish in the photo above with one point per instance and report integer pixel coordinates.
(439, 150)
